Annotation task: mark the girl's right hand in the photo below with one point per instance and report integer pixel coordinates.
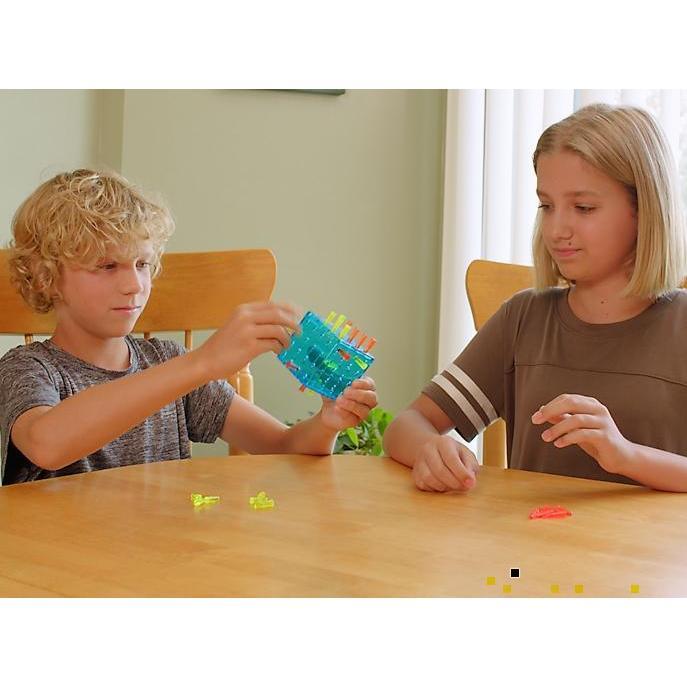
(252, 329)
(444, 464)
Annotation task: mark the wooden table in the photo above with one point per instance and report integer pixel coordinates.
(342, 526)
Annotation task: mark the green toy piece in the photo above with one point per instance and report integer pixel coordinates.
(200, 500)
(261, 501)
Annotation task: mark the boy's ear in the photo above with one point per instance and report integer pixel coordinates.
(55, 296)
(53, 292)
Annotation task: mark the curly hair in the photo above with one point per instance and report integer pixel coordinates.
(75, 218)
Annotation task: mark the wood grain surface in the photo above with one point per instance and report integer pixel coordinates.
(342, 526)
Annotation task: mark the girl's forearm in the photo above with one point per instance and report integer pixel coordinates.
(655, 468)
(405, 436)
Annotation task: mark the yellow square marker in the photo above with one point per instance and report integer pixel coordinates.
(579, 588)
(491, 580)
(634, 588)
(506, 589)
(555, 589)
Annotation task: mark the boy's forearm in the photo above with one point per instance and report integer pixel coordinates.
(87, 421)
(655, 468)
(405, 436)
(310, 436)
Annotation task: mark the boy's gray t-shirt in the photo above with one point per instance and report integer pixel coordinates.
(42, 374)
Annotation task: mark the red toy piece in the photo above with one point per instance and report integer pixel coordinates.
(549, 512)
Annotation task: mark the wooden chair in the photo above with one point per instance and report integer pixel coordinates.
(193, 291)
(489, 284)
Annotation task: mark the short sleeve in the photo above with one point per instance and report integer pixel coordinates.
(207, 406)
(471, 389)
(206, 410)
(26, 383)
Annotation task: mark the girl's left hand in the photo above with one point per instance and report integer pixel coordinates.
(352, 407)
(586, 422)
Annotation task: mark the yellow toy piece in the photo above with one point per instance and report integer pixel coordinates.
(200, 500)
(261, 501)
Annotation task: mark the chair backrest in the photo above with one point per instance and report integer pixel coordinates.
(194, 291)
(489, 284)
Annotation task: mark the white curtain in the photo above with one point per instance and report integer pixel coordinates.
(462, 222)
(489, 183)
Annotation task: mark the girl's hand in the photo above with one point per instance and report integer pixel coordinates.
(352, 407)
(586, 422)
(443, 464)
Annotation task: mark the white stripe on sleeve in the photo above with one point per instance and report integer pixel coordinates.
(460, 401)
(476, 392)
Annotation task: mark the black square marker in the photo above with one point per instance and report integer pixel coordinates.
(515, 572)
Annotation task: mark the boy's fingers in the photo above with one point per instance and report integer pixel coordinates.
(360, 410)
(351, 419)
(368, 398)
(262, 306)
(273, 331)
(294, 309)
(291, 311)
(265, 345)
(364, 383)
(276, 315)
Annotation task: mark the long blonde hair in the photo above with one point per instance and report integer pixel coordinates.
(75, 218)
(628, 145)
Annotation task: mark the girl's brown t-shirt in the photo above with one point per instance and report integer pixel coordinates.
(534, 348)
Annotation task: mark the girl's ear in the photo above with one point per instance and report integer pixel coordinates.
(629, 264)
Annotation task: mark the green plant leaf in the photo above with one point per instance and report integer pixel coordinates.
(353, 437)
(366, 437)
(384, 423)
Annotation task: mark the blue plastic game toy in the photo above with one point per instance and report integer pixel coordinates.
(326, 356)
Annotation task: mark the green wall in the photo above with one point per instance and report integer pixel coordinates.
(42, 133)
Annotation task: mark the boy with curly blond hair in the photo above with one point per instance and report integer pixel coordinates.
(88, 245)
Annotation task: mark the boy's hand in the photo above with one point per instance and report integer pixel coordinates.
(352, 407)
(444, 464)
(586, 422)
(252, 329)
